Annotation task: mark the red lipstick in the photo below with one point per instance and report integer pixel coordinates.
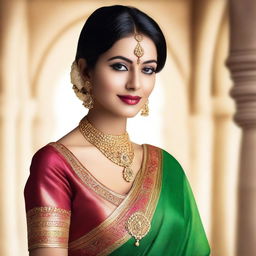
(129, 99)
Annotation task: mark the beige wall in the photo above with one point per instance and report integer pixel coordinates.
(38, 43)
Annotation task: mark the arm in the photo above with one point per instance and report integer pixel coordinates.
(48, 252)
(47, 197)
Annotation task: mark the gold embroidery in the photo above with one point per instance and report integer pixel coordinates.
(48, 227)
(47, 209)
(86, 177)
(143, 197)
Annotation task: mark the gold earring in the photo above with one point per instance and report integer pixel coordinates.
(81, 88)
(145, 109)
(88, 99)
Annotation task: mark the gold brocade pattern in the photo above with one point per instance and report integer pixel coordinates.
(143, 197)
(48, 227)
(86, 177)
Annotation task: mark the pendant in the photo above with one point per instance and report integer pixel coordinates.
(138, 225)
(125, 159)
(127, 174)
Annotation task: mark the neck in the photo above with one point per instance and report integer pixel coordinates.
(107, 123)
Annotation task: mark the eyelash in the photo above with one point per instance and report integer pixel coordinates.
(118, 66)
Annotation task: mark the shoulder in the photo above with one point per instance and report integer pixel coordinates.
(45, 151)
(49, 180)
(166, 154)
(169, 161)
(45, 154)
(47, 159)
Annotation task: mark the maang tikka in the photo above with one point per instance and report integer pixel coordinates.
(138, 51)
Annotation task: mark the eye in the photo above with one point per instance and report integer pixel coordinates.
(148, 70)
(119, 67)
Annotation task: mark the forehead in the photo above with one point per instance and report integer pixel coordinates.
(125, 47)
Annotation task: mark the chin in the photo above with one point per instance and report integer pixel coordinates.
(127, 114)
(121, 111)
(133, 114)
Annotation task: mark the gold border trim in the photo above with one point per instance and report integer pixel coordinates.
(142, 197)
(48, 227)
(85, 176)
(47, 209)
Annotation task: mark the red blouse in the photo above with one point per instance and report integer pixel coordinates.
(58, 184)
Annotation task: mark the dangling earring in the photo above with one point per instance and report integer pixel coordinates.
(145, 109)
(88, 99)
(82, 89)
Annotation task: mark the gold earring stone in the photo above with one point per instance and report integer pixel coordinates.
(88, 103)
(138, 51)
(145, 109)
(88, 99)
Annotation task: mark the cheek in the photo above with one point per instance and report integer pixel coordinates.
(150, 84)
(105, 83)
(108, 81)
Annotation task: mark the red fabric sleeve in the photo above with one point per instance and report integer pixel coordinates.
(47, 198)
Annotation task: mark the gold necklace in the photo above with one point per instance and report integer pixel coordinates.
(117, 148)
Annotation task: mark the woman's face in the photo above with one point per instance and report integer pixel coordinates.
(117, 76)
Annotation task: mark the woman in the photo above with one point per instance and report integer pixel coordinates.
(94, 192)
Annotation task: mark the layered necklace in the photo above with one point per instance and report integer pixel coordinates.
(117, 148)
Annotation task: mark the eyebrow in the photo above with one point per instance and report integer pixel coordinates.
(130, 61)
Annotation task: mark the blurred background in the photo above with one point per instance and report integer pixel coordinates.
(191, 111)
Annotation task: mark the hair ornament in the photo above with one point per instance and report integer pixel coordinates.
(138, 51)
(82, 88)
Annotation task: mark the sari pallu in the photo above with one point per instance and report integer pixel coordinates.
(160, 193)
(176, 227)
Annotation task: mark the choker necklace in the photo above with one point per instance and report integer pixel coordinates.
(117, 148)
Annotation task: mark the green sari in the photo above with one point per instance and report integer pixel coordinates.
(176, 227)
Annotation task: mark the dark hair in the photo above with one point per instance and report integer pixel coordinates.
(108, 24)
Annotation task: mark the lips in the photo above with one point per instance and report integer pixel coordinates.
(129, 99)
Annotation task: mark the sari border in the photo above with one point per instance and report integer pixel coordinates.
(143, 197)
(84, 175)
(152, 204)
(48, 227)
(134, 191)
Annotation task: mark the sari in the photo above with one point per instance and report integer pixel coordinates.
(67, 207)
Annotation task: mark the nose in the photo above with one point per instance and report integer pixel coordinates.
(133, 82)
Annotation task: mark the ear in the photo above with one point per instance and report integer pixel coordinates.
(83, 68)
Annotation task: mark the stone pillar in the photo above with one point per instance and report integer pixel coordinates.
(242, 65)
